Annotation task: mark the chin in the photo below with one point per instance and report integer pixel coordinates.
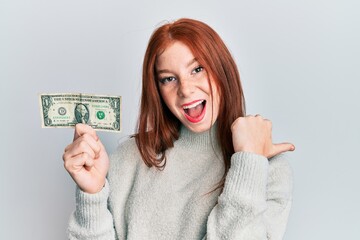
(198, 128)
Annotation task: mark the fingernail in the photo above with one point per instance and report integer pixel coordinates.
(292, 148)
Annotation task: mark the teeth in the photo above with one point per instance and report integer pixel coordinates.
(194, 104)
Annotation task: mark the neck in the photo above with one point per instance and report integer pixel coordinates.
(203, 141)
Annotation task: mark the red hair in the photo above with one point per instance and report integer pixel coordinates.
(158, 128)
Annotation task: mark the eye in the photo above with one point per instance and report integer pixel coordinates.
(167, 80)
(197, 70)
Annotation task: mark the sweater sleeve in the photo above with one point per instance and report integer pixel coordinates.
(256, 199)
(91, 218)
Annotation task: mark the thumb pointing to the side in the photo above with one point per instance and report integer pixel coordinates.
(281, 147)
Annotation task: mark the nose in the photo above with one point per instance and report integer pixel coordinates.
(186, 88)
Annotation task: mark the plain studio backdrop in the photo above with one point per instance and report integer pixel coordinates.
(299, 65)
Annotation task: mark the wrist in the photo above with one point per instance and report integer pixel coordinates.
(249, 149)
(94, 189)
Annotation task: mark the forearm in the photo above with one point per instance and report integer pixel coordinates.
(255, 202)
(238, 214)
(91, 218)
(279, 196)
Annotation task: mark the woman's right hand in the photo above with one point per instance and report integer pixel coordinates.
(86, 159)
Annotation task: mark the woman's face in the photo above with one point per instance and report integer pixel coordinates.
(184, 87)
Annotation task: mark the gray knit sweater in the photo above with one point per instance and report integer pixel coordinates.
(138, 202)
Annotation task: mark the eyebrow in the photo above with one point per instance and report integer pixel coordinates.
(187, 65)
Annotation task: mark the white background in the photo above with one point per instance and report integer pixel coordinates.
(299, 65)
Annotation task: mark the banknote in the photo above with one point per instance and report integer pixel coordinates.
(101, 112)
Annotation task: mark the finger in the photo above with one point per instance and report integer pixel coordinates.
(77, 147)
(94, 144)
(79, 161)
(252, 116)
(259, 117)
(101, 145)
(237, 122)
(269, 124)
(68, 147)
(89, 163)
(282, 147)
(81, 129)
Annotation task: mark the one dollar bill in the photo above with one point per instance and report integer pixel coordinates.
(68, 109)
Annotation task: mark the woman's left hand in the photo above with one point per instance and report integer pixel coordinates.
(253, 134)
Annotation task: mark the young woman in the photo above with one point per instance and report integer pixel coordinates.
(198, 168)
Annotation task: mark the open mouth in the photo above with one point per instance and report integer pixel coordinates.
(195, 111)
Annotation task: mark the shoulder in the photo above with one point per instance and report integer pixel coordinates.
(127, 147)
(126, 155)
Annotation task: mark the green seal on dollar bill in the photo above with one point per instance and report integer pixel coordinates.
(100, 115)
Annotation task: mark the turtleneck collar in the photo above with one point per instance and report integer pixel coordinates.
(203, 141)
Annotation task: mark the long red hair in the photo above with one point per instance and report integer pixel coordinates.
(158, 128)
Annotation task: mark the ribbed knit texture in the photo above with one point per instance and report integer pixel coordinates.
(138, 202)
